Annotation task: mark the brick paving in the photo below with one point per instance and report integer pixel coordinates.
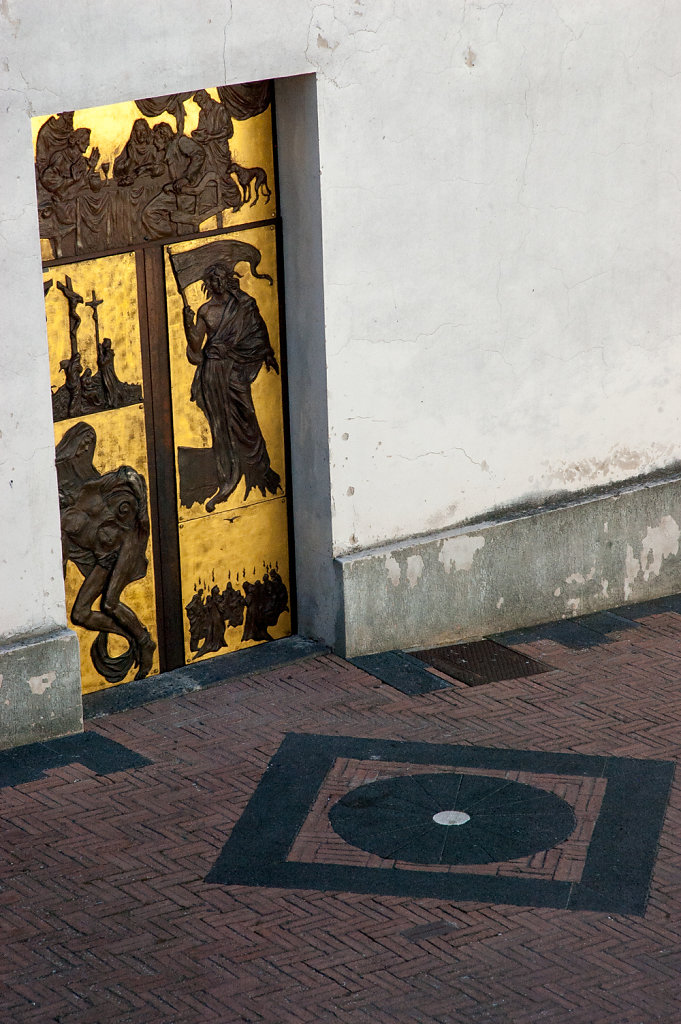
(106, 915)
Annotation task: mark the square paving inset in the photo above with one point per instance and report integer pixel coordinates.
(625, 797)
(318, 843)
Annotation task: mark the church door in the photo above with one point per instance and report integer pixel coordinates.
(160, 238)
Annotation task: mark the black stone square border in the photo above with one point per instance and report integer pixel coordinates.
(619, 861)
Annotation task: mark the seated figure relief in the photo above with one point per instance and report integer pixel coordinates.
(164, 182)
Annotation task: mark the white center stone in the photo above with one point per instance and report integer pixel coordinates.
(451, 818)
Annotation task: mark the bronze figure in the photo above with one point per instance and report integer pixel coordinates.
(266, 599)
(209, 617)
(213, 132)
(228, 343)
(105, 531)
(84, 392)
(209, 613)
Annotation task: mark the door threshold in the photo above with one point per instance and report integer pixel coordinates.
(199, 675)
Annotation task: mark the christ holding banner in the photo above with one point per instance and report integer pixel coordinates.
(228, 342)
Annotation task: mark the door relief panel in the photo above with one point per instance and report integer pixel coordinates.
(93, 327)
(235, 579)
(119, 176)
(102, 470)
(223, 329)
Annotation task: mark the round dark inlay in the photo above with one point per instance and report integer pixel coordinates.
(451, 819)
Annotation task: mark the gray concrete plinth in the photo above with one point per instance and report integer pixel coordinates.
(40, 695)
(552, 564)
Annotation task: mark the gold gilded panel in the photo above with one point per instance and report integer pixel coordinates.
(115, 176)
(93, 335)
(225, 355)
(109, 578)
(156, 172)
(235, 579)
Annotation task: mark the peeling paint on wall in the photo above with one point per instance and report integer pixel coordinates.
(414, 569)
(578, 577)
(394, 570)
(619, 463)
(458, 552)
(660, 542)
(38, 684)
(632, 567)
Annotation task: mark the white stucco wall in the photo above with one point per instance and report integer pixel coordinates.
(501, 223)
(500, 212)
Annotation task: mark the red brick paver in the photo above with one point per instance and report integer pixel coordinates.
(106, 917)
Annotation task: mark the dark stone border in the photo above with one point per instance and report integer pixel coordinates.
(592, 630)
(98, 753)
(619, 862)
(401, 671)
(199, 674)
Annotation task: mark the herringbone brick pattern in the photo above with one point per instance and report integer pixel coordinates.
(106, 917)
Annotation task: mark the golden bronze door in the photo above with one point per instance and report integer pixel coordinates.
(159, 230)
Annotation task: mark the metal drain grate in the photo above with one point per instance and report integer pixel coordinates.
(482, 662)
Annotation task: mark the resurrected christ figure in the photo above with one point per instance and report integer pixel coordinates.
(228, 343)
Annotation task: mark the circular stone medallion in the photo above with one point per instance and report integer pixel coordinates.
(451, 818)
(402, 818)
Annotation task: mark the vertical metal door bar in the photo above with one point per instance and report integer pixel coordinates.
(160, 445)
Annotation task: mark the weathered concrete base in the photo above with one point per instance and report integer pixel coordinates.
(40, 696)
(463, 584)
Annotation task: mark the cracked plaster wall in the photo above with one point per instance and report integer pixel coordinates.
(500, 210)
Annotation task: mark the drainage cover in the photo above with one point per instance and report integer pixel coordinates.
(482, 662)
